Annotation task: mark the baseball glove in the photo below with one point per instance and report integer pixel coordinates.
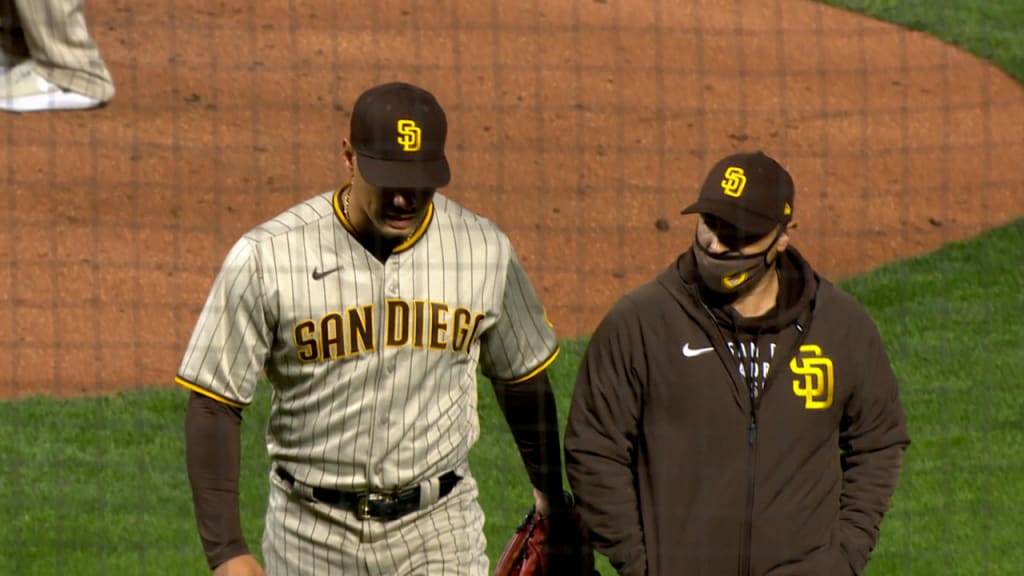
(553, 545)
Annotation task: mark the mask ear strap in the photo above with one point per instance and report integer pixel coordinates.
(771, 246)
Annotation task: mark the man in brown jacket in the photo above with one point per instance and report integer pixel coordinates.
(738, 414)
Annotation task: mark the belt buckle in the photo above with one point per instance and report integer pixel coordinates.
(363, 504)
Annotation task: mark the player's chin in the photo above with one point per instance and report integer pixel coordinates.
(398, 227)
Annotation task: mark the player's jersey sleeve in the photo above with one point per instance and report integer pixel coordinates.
(522, 342)
(231, 339)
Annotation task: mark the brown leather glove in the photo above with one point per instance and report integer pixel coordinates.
(556, 544)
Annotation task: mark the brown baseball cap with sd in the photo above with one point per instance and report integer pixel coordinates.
(398, 132)
(751, 191)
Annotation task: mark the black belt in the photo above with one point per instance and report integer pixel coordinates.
(380, 505)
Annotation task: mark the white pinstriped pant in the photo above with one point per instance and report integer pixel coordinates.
(304, 537)
(54, 34)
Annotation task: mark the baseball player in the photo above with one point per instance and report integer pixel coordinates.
(48, 60)
(737, 414)
(369, 309)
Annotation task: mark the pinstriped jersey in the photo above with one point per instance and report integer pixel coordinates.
(373, 364)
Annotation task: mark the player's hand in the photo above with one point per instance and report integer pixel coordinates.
(540, 501)
(244, 565)
(545, 506)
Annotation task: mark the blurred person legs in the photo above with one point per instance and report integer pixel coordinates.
(49, 59)
(13, 49)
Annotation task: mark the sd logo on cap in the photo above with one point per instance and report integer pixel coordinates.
(398, 131)
(750, 191)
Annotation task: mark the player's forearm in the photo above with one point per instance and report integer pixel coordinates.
(529, 408)
(213, 455)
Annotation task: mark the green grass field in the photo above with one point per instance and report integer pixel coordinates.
(990, 29)
(98, 486)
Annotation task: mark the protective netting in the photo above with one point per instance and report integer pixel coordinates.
(582, 127)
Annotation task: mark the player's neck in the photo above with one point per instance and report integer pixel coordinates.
(380, 246)
(761, 298)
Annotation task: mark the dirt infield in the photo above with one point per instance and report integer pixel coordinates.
(581, 127)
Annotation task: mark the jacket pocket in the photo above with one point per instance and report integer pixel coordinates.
(840, 565)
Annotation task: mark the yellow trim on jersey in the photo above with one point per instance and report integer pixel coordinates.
(536, 370)
(181, 381)
(419, 231)
(405, 245)
(339, 213)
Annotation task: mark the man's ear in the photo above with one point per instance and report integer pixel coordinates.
(347, 154)
(783, 243)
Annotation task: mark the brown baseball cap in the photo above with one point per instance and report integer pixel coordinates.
(398, 132)
(750, 191)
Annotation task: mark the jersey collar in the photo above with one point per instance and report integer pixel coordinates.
(405, 245)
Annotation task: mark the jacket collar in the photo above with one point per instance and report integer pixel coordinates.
(797, 295)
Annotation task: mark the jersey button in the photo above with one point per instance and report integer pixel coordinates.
(393, 289)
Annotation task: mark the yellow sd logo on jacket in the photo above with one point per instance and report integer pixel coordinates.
(818, 383)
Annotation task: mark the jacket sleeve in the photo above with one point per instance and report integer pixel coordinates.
(873, 437)
(601, 442)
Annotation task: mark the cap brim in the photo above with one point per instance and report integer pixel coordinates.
(399, 174)
(750, 223)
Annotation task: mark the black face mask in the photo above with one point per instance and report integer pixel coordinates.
(732, 274)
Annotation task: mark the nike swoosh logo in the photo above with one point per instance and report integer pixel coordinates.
(692, 352)
(319, 275)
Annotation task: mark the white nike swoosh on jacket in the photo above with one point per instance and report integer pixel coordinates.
(692, 352)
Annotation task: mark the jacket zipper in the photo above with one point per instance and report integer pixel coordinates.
(748, 528)
(748, 524)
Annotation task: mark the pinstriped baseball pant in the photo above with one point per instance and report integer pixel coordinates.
(54, 34)
(304, 537)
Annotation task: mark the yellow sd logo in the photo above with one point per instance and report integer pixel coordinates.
(409, 136)
(735, 181)
(818, 383)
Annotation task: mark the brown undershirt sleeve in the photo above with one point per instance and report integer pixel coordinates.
(213, 455)
(529, 408)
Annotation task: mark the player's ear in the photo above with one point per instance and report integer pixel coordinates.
(347, 154)
(784, 238)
